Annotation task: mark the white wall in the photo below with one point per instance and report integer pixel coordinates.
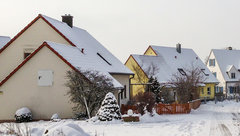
(22, 89)
(217, 69)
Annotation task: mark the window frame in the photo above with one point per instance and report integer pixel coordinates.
(212, 62)
(233, 75)
(209, 90)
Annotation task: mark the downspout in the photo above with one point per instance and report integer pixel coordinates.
(130, 86)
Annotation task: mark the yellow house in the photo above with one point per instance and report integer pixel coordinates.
(163, 62)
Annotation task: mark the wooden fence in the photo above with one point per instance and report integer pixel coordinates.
(172, 108)
(167, 108)
(195, 104)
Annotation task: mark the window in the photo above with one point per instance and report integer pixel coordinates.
(182, 71)
(103, 58)
(26, 55)
(211, 62)
(202, 91)
(27, 52)
(215, 74)
(209, 90)
(221, 89)
(45, 78)
(232, 89)
(203, 70)
(232, 75)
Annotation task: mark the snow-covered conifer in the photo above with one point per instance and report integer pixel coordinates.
(109, 109)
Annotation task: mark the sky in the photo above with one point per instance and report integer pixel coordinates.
(127, 27)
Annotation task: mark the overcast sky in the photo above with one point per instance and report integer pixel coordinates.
(129, 26)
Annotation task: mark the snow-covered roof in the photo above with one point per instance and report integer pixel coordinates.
(93, 50)
(227, 59)
(168, 61)
(77, 59)
(4, 40)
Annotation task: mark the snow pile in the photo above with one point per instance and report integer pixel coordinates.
(65, 129)
(23, 115)
(109, 109)
(55, 117)
(152, 118)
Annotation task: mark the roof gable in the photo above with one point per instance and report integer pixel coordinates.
(227, 59)
(72, 56)
(83, 40)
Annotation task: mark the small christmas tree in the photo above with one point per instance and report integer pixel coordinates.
(109, 109)
(154, 88)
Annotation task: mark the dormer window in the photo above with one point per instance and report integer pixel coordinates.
(211, 62)
(182, 71)
(233, 76)
(203, 70)
(103, 58)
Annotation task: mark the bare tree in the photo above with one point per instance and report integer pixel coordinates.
(152, 70)
(186, 83)
(87, 90)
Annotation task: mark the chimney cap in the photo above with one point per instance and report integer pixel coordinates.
(229, 48)
(67, 18)
(178, 47)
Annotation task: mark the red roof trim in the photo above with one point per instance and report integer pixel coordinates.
(57, 30)
(30, 56)
(30, 24)
(20, 33)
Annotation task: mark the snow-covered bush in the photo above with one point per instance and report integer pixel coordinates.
(23, 115)
(109, 109)
(55, 117)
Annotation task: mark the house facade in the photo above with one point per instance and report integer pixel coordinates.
(162, 63)
(224, 64)
(34, 65)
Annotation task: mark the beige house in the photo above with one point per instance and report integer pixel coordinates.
(32, 72)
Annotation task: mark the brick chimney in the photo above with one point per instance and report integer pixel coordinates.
(67, 18)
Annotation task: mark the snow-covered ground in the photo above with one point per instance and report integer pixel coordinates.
(210, 119)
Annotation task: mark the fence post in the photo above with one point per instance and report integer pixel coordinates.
(174, 108)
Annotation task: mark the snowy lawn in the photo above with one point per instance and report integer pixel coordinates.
(212, 119)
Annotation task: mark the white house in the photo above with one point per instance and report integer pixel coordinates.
(34, 65)
(225, 65)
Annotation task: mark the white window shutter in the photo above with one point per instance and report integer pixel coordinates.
(45, 78)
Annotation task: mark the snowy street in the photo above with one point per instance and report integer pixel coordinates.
(221, 119)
